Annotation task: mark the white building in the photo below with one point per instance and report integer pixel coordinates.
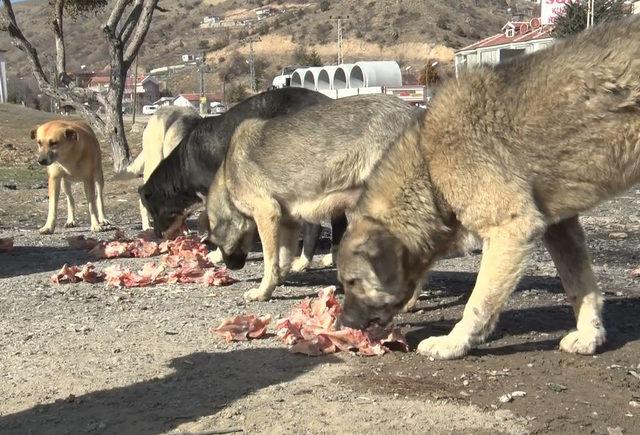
(517, 38)
(3, 78)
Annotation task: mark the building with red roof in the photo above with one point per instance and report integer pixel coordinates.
(517, 38)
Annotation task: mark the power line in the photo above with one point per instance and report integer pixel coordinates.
(252, 62)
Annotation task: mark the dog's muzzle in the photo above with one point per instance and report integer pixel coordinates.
(235, 261)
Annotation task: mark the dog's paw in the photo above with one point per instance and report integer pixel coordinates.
(105, 223)
(257, 294)
(327, 260)
(215, 256)
(46, 230)
(300, 264)
(443, 347)
(96, 228)
(70, 224)
(583, 342)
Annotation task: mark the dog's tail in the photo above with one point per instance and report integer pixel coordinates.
(133, 170)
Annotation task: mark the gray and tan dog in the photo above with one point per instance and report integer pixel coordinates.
(71, 152)
(310, 165)
(511, 153)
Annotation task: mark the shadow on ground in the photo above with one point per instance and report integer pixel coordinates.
(619, 319)
(201, 385)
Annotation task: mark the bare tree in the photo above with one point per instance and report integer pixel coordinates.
(125, 30)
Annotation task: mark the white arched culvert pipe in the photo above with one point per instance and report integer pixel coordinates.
(341, 76)
(311, 78)
(325, 78)
(298, 77)
(376, 73)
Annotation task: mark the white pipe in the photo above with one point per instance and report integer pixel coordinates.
(375, 73)
(325, 78)
(298, 77)
(311, 78)
(341, 76)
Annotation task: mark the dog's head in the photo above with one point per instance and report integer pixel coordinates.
(378, 273)
(168, 216)
(55, 142)
(231, 231)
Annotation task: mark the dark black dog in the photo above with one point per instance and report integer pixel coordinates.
(182, 178)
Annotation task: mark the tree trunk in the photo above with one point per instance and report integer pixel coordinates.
(114, 122)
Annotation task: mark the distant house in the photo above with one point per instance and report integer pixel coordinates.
(188, 58)
(3, 77)
(147, 89)
(212, 19)
(193, 100)
(164, 101)
(517, 38)
(264, 12)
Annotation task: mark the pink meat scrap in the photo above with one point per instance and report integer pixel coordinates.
(150, 274)
(184, 249)
(73, 274)
(242, 328)
(82, 243)
(138, 248)
(153, 273)
(311, 329)
(192, 272)
(635, 273)
(6, 245)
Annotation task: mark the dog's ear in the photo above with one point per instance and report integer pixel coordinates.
(34, 131)
(71, 134)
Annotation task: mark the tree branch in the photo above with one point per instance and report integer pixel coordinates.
(130, 23)
(116, 14)
(142, 27)
(61, 63)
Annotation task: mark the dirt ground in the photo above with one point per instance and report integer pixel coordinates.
(82, 358)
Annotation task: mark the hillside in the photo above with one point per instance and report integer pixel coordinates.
(409, 31)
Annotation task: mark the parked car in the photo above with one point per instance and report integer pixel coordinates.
(149, 109)
(218, 108)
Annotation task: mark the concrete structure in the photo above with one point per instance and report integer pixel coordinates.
(310, 80)
(341, 76)
(3, 77)
(379, 73)
(297, 78)
(517, 38)
(325, 78)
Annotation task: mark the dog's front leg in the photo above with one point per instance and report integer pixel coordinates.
(565, 242)
(71, 204)
(506, 249)
(54, 194)
(268, 223)
(90, 192)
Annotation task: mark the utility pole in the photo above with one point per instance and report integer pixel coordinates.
(252, 62)
(339, 20)
(135, 90)
(202, 69)
(590, 13)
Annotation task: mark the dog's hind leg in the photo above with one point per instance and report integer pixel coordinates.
(310, 237)
(268, 220)
(565, 242)
(54, 194)
(506, 249)
(288, 247)
(100, 198)
(71, 204)
(338, 227)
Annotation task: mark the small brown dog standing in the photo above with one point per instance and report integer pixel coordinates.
(512, 153)
(70, 151)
